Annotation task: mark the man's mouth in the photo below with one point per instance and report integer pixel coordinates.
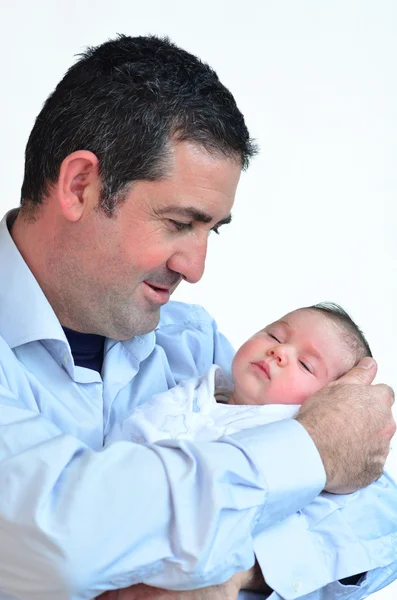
(262, 367)
(158, 293)
(158, 287)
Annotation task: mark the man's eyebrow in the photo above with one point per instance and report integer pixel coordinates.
(192, 213)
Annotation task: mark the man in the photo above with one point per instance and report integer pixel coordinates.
(132, 161)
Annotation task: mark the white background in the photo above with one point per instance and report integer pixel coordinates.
(315, 215)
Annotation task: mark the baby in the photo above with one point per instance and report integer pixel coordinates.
(274, 372)
(294, 357)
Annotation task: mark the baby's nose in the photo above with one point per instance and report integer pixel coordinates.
(280, 354)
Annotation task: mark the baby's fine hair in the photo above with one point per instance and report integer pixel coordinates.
(355, 338)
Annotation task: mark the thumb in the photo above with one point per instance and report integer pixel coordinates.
(363, 373)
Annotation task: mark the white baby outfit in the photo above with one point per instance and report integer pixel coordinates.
(190, 411)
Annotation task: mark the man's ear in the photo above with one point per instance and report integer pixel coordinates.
(78, 175)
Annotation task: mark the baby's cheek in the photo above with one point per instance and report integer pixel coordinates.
(298, 390)
(286, 392)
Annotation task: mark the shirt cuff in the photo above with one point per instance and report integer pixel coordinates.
(290, 464)
(290, 563)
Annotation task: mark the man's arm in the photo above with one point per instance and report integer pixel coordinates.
(79, 521)
(75, 521)
(373, 581)
(250, 579)
(333, 538)
(347, 392)
(296, 563)
(224, 591)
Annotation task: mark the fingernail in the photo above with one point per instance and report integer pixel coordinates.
(366, 363)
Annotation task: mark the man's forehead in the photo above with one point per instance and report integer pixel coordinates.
(192, 165)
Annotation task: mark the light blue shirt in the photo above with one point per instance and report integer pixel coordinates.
(79, 516)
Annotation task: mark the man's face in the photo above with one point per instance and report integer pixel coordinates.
(125, 268)
(290, 360)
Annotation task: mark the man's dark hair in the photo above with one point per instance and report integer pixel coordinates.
(354, 338)
(124, 101)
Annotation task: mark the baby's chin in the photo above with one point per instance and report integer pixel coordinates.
(258, 396)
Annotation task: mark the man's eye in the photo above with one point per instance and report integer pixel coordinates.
(179, 225)
(304, 365)
(215, 230)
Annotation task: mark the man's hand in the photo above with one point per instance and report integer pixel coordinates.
(351, 423)
(225, 591)
(251, 579)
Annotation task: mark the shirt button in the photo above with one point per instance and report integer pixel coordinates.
(297, 586)
(65, 359)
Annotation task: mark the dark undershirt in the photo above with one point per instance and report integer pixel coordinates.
(352, 580)
(87, 349)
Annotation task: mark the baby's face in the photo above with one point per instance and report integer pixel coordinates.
(290, 360)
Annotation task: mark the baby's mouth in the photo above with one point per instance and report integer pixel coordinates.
(262, 366)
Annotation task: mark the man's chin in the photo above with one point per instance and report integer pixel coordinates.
(140, 326)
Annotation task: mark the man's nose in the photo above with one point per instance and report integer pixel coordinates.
(280, 353)
(189, 261)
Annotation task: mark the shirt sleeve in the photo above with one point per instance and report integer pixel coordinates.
(372, 582)
(76, 522)
(332, 538)
(192, 342)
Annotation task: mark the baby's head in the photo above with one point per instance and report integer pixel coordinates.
(291, 359)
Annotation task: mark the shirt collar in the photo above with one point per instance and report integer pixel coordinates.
(25, 315)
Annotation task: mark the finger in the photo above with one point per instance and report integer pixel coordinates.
(363, 373)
